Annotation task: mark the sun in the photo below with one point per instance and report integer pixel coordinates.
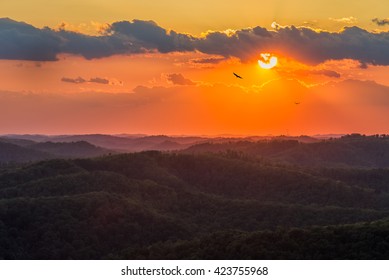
(267, 61)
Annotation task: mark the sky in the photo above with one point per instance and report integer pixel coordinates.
(166, 67)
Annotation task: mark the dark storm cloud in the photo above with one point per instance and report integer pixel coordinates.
(21, 41)
(381, 22)
(303, 44)
(93, 46)
(179, 79)
(148, 35)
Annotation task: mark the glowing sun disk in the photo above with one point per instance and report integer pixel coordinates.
(267, 61)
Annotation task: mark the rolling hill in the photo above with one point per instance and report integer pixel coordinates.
(126, 143)
(350, 150)
(154, 205)
(20, 150)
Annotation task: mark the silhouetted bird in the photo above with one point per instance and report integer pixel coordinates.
(236, 75)
(297, 103)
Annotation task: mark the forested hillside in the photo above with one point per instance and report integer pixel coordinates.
(168, 205)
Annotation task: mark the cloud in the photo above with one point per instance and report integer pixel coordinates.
(36, 64)
(80, 80)
(346, 20)
(324, 72)
(147, 35)
(381, 22)
(276, 25)
(363, 65)
(99, 81)
(179, 79)
(92, 47)
(92, 27)
(303, 44)
(21, 41)
(211, 60)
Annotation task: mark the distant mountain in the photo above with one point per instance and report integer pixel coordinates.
(136, 143)
(350, 150)
(101, 140)
(10, 153)
(125, 143)
(22, 150)
(301, 139)
(168, 146)
(70, 150)
(32, 137)
(17, 141)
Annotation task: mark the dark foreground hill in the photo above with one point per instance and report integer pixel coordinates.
(154, 205)
(356, 242)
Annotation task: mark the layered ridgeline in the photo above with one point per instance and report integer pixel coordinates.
(154, 205)
(118, 143)
(29, 148)
(350, 150)
(19, 151)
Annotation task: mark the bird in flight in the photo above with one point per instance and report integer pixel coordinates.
(236, 75)
(297, 103)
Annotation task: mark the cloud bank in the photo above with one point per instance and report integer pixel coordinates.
(381, 22)
(21, 41)
(179, 79)
(324, 72)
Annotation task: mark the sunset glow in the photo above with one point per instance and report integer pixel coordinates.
(169, 72)
(194, 139)
(267, 61)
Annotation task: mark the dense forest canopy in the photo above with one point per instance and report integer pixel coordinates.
(232, 200)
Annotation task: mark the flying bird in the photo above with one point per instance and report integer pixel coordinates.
(297, 103)
(236, 75)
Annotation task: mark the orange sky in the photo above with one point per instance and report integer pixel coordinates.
(198, 16)
(195, 91)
